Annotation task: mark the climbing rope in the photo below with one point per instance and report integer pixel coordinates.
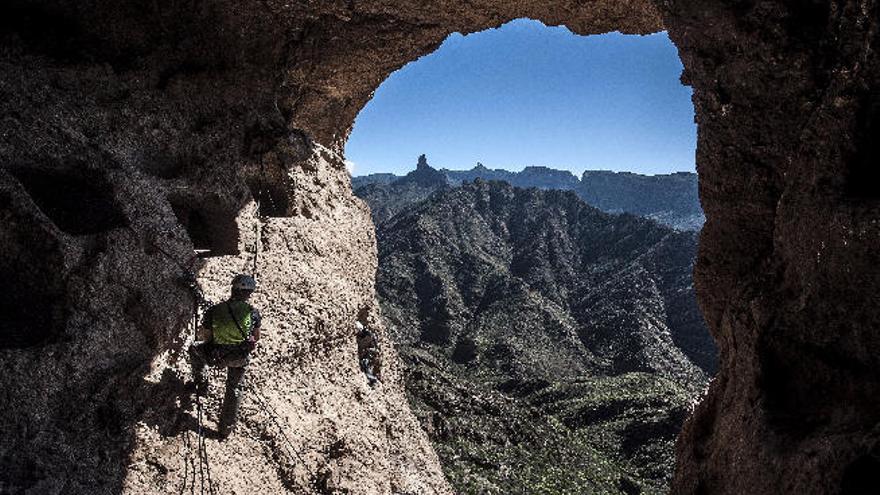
(204, 464)
(199, 444)
(257, 226)
(264, 189)
(187, 462)
(262, 193)
(190, 276)
(199, 301)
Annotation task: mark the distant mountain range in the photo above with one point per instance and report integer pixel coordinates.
(549, 347)
(671, 199)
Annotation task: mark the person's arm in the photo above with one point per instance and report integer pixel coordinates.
(257, 321)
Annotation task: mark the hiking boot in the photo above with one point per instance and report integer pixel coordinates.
(223, 432)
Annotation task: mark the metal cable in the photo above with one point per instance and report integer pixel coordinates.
(186, 462)
(273, 415)
(257, 233)
(204, 462)
(199, 445)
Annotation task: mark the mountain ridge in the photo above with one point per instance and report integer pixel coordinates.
(670, 199)
(542, 338)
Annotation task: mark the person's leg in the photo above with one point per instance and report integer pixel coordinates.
(197, 360)
(231, 400)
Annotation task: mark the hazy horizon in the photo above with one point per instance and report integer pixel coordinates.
(530, 95)
(516, 170)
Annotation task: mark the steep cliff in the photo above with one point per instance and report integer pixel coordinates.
(670, 199)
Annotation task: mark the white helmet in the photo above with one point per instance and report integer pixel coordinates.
(244, 283)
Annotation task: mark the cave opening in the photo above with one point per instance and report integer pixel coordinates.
(212, 230)
(533, 268)
(78, 203)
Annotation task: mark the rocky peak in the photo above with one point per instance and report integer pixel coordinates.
(424, 175)
(422, 163)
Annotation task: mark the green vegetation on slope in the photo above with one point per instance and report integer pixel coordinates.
(593, 434)
(548, 347)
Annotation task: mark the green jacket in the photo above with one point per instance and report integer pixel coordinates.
(224, 330)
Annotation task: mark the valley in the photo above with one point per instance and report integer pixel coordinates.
(548, 347)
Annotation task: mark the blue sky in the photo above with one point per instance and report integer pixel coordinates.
(526, 94)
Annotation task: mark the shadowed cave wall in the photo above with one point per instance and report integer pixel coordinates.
(135, 128)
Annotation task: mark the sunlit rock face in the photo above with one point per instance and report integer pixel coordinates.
(129, 129)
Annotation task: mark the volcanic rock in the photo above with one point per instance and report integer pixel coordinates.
(206, 104)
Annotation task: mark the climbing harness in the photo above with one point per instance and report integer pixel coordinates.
(199, 302)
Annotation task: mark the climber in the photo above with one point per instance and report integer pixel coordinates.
(229, 332)
(368, 353)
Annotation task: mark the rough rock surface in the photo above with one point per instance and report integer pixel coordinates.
(122, 152)
(145, 105)
(109, 380)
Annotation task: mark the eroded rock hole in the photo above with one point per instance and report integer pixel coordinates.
(78, 204)
(212, 230)
(465, 351)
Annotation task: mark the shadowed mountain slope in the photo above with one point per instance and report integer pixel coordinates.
(543, 338)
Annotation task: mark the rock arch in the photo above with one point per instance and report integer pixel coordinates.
(786, 97)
